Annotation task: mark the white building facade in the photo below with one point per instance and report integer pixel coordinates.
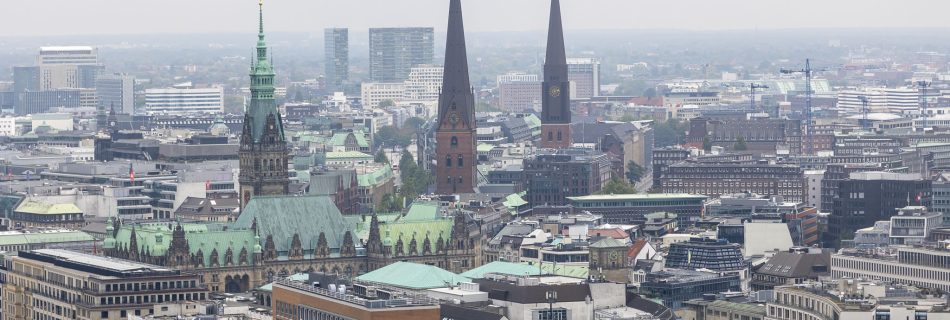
(184, 100)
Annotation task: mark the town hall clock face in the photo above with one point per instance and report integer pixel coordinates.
(554, 91)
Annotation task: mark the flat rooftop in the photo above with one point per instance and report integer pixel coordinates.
(104, 266)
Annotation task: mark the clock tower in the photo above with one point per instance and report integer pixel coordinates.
(455, 130)
(555, 98)
(263, 153)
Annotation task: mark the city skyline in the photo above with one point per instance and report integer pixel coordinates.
(114, 17)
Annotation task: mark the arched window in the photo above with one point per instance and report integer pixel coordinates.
(460, 179)
(455, 141)
(460, 163)
(550, 136)
(558, 136)
(448, 161)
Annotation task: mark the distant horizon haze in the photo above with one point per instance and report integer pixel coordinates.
(42, 18)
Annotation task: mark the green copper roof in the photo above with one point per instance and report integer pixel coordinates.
(484, 147)
(408, 230)
(303, 176)
(283, 216)
(410, 275)
(35, 207)
(337, 155)
(155, 238)
(422, 211)
(533, 121)
(24, 238)
(262, 102)
(421, 220)
(502, 267)
(563, 270)
(339, 138)
(375, 177)
(514, 200)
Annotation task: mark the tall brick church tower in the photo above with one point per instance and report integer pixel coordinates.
(455, 130)
(555, 95)
(263, 153)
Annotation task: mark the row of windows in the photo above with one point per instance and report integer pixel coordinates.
(448, 161)
(124, 300)
(159, 285)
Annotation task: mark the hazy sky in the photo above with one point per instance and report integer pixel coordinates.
(89, 17)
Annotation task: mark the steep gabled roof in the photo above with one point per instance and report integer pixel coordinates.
(283, 216)
(410, 275)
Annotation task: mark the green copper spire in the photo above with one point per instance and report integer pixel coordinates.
(262, 103)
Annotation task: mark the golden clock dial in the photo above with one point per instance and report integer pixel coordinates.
(554, 91)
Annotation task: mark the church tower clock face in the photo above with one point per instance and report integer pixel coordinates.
(454, 118)
(554, 91)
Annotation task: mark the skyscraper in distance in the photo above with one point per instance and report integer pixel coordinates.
(394, 51)
(455, 131)
(116, 90)
(263, 153)
(555, 95)
(337, 48)
(68, 67)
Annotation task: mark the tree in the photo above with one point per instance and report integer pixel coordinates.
(634, 173)
(707, 145)
(413, 123)
(390, 203)
(390, 136)
(386, 103)
(669, 133)
(631, 87)
(415, 180)
(617, 186)
(650, 92)
(381, 157)
(740, 145)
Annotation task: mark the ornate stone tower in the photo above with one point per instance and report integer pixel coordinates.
(263, 152)
(556, 97)
(455, 131)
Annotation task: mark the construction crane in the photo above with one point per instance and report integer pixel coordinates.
(752, 87)
(807, 71)
(922, 93)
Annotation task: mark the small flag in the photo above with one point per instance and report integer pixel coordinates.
(207, 185)
(919, 195)
(131, 173)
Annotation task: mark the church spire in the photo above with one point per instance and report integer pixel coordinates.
(456, 101)
(556, 100)
(260, 12)
(555, 50)
(455, 130)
